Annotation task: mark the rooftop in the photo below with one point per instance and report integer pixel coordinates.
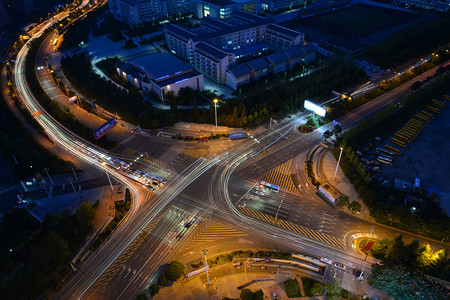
(294, 52)
(283, 30)
(277, 58)
(240, 70)
(215, 22)
(212, 51)
(258, 64)
(161, 65)
(180, 78)
(220, 2)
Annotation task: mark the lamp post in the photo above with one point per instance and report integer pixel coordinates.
(339, 160)
(365, 260)
(206, 264)
(46, 172)
(215, 110)
(107, 174)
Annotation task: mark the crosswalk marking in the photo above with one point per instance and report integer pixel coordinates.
(209, 231)
(104, 280)
(313, 234)
(156, 162)
(281, 175)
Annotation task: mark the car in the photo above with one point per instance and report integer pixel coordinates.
(358, 153)
(376, 169)
(340, 266)
(377, 139)
(326, 260)
(357, 273)
(183, 221)
(386, 182)
(188, 224)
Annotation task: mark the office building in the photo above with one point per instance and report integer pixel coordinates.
(442, 5)
(273, 63)
(138, 11)
(214, 47)
(160, 73)
(276, 5)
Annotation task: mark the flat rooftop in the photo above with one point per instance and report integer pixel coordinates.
(161, 65)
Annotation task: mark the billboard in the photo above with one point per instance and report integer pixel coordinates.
(235, 136)
(102, 130)
(315, 108)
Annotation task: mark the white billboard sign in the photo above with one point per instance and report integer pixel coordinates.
(315, 108)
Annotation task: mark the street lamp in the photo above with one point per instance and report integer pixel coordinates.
(215, 110)
(339, 160)
(107, 174)
(206, 264)
(365, 260)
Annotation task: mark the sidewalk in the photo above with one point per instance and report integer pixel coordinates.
(342, 184)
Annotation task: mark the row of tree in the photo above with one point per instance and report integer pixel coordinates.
(402, 269)
(29, 270)
(404, 45)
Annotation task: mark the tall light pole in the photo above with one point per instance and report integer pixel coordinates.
(46, 172)
(365, 260)
(206, 264)
(107, 174)
(215, 110)
(337, 166)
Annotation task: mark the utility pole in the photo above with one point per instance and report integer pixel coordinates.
(46, 172)
(206, 264)
(70, 180)
(276, 216)
(339, 160)
(365, 260)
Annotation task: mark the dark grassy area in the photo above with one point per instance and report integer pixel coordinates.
(17, 141)
(358, 21)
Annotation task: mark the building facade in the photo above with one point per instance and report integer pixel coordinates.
(212, 49)
(160, 73)
(443, 5)
(138, 11)
(275, 5)
(273, 63)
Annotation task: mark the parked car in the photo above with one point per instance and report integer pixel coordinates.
(340, 266)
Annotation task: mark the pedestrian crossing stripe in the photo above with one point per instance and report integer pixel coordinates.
(313, 234)
(100, 285)
(281, 175)
(156, 162)
(104, 280)
(209, 231)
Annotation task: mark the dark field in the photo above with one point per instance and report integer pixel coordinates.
(358, 21)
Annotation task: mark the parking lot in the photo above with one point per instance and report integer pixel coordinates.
(426, 157)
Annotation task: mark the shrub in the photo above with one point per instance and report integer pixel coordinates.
(154, 289)
(292, 288)
(174, 270)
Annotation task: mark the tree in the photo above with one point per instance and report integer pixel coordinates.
(292, 288)
(141, 297)
(344, 201)
(401, 284)
(327, 134)
(85, 214)
(174, 270)
(162, 280)
(355, 207)
(154, 289)
(379, 248)
(247, 294)
(337, 129)
(416, 85)
(333, 291)
(317, 289)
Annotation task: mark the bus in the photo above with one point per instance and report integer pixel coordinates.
(383, 151)
(269, 186)
(121, 163)
(155, 178)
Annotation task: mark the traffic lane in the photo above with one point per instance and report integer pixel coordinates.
(92, 121)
